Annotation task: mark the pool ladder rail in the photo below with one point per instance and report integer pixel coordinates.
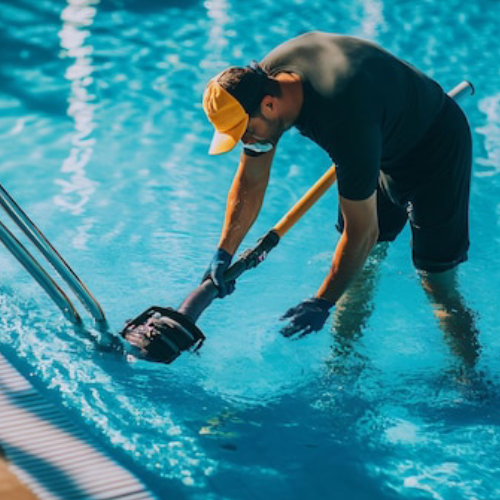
(36, 270)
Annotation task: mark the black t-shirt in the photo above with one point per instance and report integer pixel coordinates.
(363, 106)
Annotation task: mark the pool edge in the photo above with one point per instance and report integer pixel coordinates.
(49, 454)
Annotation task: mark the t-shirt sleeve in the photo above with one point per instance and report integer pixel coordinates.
(355, 147)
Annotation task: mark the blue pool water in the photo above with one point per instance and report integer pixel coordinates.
(104, 142)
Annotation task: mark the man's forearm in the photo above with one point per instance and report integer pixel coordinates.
(348, 259)
(243, 205)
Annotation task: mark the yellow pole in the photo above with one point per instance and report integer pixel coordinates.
(306, 202)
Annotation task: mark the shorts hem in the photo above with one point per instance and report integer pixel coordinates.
(382, 238)
(438, 267)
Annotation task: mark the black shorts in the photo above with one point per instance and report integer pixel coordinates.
(436, 199)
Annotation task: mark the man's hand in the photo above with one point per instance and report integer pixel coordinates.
(220, 262)
(309, 316)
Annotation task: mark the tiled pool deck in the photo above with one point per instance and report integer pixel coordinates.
(10, 486)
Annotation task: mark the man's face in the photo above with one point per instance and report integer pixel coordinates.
(263, 130)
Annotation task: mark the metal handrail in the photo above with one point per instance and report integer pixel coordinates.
(17, 249)
(53, 257)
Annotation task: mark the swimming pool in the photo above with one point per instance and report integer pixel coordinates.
(104, 144)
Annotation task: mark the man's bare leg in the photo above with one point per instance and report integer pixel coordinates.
(457, 321)
(355, 307)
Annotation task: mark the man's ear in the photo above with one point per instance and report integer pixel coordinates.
(268, 106)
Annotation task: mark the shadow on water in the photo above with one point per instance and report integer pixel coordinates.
(485, 413)
(23, 54)
(145, 6)
(281, 451)
(31, 52)
(32, 8)
(50, 102)
(139, 6)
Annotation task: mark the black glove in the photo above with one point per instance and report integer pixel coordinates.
(309, 316)
(220, 262)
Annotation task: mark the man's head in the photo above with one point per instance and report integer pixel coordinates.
(241, 104)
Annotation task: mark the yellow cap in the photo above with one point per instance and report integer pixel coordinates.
(227, 115)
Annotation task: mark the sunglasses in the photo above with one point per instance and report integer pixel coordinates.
(259, 147)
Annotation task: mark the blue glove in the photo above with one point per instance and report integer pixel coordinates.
(220, 262)
(309, 316)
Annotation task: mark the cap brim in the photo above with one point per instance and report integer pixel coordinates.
(223, 142)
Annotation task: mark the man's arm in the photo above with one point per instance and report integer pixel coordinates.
(359, 236)
(245, 198)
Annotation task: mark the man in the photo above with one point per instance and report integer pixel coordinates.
(401, 146)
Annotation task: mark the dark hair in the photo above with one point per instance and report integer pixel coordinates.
(249, 85)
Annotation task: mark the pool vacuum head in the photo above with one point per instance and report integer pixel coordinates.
(162, 334)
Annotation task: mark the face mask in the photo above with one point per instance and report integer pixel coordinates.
(259, 147)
